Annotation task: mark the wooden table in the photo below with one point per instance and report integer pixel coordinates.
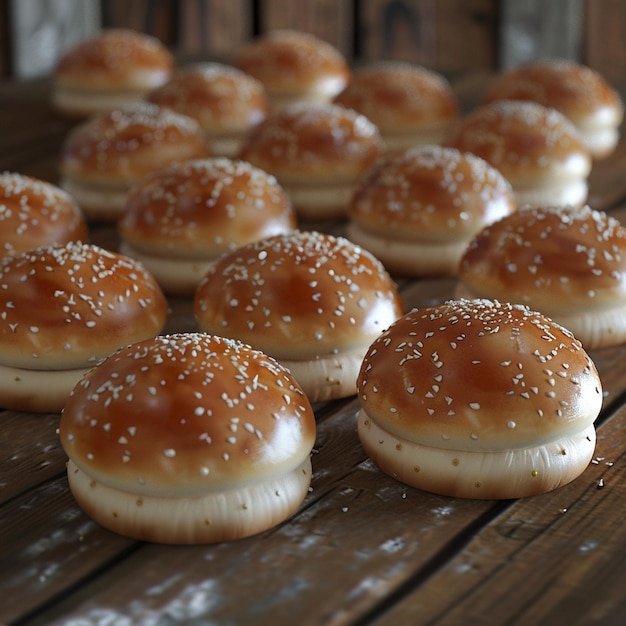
(363, 549)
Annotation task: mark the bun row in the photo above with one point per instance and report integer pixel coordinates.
(209, 175)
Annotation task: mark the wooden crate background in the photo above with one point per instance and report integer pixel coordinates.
(451, 36)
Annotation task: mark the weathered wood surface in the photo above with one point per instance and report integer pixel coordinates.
(363, 549)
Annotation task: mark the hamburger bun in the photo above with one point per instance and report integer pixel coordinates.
(569, 263)
(317, 153)
(577, 91)
(312, 301)
(180, 219)
(537, 149)
(417, 209)
(36, 213)
(225, 101)
(294, 67)
(478, 399)
(64, 308)
(104, 157)
(410, 104)
(109, 70)
(188, 439)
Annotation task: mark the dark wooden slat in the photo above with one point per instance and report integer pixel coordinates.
(327, 19)
(30, 452)
(49, 546)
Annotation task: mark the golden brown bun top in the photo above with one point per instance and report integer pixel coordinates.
(289, 62)
(126, 144)
(431, 193)
(314, 142)
(554, 259)
(67, 306)
(187, 414)
(203, 208)
(479, 375)
(400, 95)
(577, 91)
(527, 142)
(298, 296)
(222, 98)
(36, 213)
(114, 59)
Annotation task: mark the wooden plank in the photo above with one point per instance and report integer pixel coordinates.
(154, 17)
(48, 547)
(551, 559)
(30, 452)
(213, 28)
(605, 38)
(448, 35)
(537, 29)
(330, 20)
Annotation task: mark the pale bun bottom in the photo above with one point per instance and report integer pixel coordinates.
(498, 474)
(319, 200)
(402, 139)
(39, 391)
(573, 193)
(328, 378)
(225, 145)
(99, 203)
(217, 516)
(175, 276)
(74, 103)
(409, 258)
(594, 328)
(322, 91)
(600, 142)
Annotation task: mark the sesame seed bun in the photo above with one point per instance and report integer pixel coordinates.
(312, 301)
(109, 70)
(102, 158)
(537, 149)
(417, 209)
(64, 308)
(569, 263)
(478, 399)
(410, 104)
(225, 101)
(577, 91)
(317, 153)
(35, 213)
(180, 219)
(188, 438)
(294, 67)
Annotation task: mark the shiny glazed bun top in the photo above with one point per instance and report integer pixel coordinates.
(115, 59)
(478, 375)
(575, 90)
(298, 296)
(552, 258)
(306, 142)
(431, 194)
(66, 306)
(202, 208)
(293, 64)
(397, 96)
(184, 415)
(125, 144)
(528, 143)
(34, 213)
(221, 97)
